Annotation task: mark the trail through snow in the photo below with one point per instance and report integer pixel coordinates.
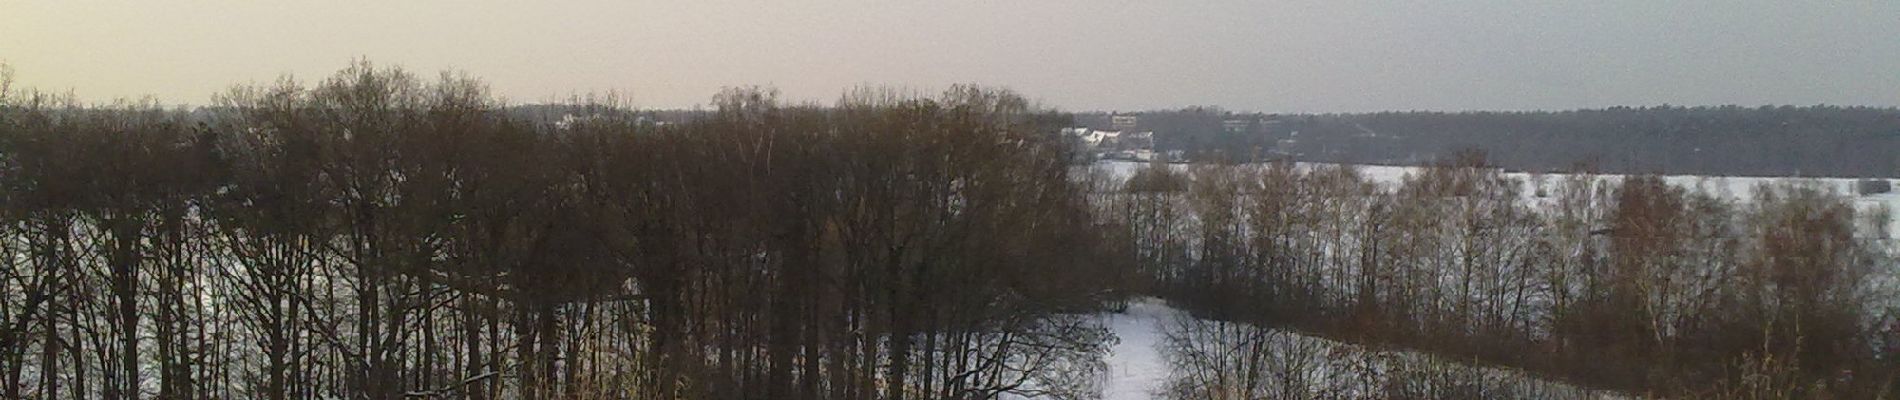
(1135, 367)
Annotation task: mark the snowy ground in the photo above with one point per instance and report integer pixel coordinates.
(1135, 367)
(1138, 369)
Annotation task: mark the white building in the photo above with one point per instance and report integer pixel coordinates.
(1093, 138)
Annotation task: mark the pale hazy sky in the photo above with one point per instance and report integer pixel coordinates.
(1274, 56)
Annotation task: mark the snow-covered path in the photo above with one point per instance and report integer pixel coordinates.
(1135, 367)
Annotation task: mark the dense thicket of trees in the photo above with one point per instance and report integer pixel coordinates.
(378, 235)
(1727, 140)
(1631, 284)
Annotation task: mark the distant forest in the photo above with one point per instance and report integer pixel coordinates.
(1727, 140)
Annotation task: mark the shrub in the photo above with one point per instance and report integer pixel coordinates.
(1873, 186)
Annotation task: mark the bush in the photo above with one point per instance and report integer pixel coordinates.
(1157, 176)
(1873, 186)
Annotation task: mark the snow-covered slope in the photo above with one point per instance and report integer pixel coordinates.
(1138, 368)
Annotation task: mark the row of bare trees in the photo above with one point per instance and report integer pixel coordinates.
(378, 235)
(1631, 283)
(1212, 359)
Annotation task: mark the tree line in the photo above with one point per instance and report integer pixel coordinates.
(1630, 284)
(1817, 140)
(379, 235)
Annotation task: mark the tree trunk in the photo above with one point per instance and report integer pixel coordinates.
(125, 263)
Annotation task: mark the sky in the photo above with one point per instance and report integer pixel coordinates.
(1108, 55)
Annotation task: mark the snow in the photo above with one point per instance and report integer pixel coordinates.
(1137, 370)
(1135, 366)
(1738, 189)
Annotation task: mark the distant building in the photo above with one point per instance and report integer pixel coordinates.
(1123, 122)
(1085, 136)
(1093, 138)
(1288, 146)
(571, 121)
(1137, 140)
(1113, 145)
(1236, 125)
